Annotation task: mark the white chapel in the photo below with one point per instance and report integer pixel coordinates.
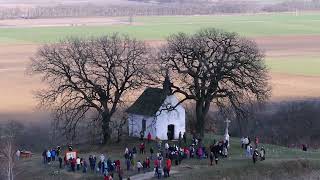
(150, 114)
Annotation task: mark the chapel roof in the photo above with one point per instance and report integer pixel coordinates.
(149, 102)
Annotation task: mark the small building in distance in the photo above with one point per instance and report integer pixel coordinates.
(150, 114)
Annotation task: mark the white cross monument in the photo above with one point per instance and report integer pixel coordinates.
(226, 134)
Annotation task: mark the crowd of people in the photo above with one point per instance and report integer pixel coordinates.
(160, 158)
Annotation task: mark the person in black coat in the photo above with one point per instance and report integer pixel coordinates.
(214, 151)
(60, 162)
(255, 156)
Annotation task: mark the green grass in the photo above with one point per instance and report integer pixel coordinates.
(160, 27)
(309, 66)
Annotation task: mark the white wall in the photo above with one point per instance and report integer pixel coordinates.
(159, 127)
(175, 117)
(135, 125)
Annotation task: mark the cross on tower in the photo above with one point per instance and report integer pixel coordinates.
(226, 134)
(227, 126)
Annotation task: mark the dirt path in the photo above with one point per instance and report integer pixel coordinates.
(148, 175)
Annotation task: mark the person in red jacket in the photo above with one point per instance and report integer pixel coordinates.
(117, 165)
(106, 177)
(256, 142)
(73, 164)
(142, 148)
(149, 137)
(157, 168)
(148, 163)
(168, 165)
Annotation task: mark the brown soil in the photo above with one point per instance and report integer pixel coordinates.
(16, 87)
(286, 86)
(283, 46)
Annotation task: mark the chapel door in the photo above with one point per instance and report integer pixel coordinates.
(144, 125)
(170, 132)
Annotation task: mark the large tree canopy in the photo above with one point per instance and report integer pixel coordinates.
(215, 67)
(85, 75)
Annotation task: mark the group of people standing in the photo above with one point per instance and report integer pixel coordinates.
(50, 155)
(252, 151)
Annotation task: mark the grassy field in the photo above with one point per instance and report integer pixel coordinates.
(280, 162)
(309, 66)
(154, 28)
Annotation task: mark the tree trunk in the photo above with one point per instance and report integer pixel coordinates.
(106, 131)
(200, 119)
(240, 126)
(202, 108)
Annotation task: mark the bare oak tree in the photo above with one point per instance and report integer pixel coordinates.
(215, 67)
(7, 157)
(8, 148)
(89, 76)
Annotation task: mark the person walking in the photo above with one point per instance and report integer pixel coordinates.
(94, 162)
(148, 163)
(53, 154)
(48, 156)
(120, 174)
(256, 142)
(149, 137)
(211, 158)
(73, 164)
(180, 139)
(141, 135)
(139, 166)
(242, 142)
(102, 157)
(184, 138)
(262, 154)
(85, 166)
(128, 163)
(60, 162)
(142, 146)
(44, 156)
(157, 168)
(255, 156)
(151, 153)
(18, 153)
(58, 151)
(168, 166)
(78, 161)
(248, 151)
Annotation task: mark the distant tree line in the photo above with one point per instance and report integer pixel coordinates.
(163, 7)
(126, 10)
(289, 123)
(293, 5)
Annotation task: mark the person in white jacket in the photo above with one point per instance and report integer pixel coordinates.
(48, 156)
(139, 166)
(248, 151)
(102, 157)
(78, 163)
(18, 153)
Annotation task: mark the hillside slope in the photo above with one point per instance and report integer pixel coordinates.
(280, 163)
